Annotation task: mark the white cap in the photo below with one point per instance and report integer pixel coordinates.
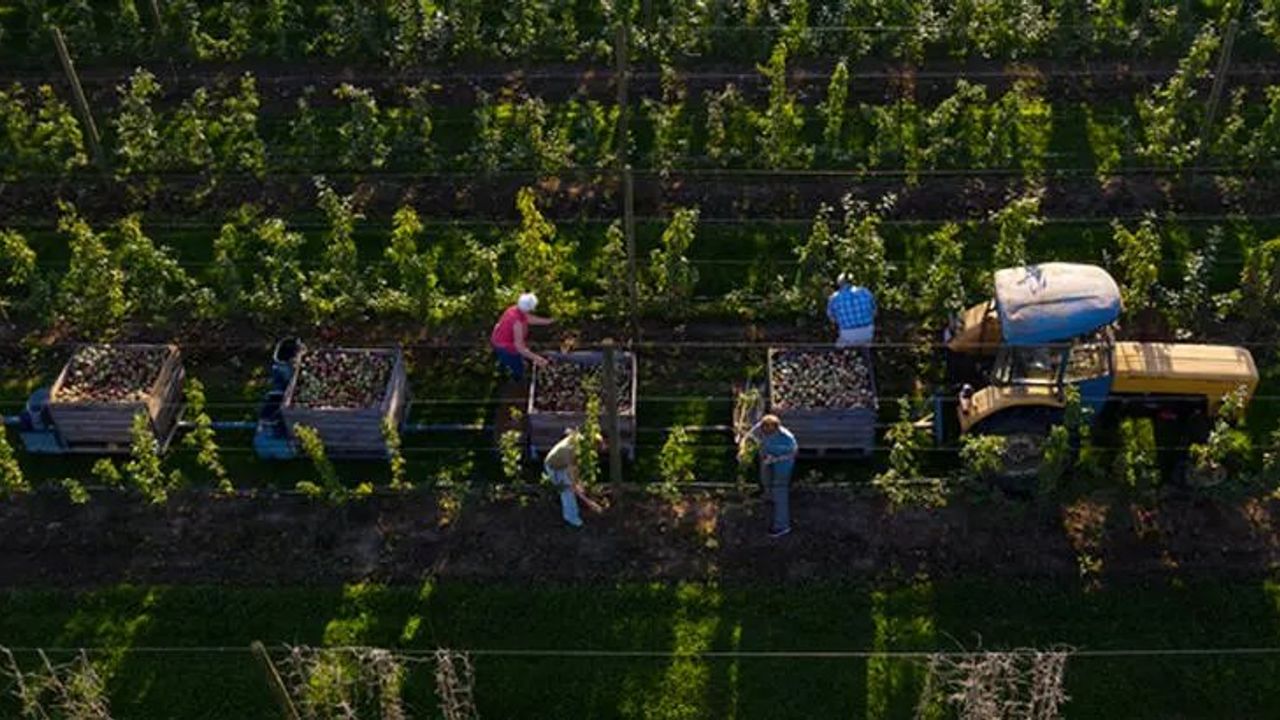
(528, 302)
(844, 279)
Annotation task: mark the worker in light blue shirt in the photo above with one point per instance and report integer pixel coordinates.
(852, 309)
(778, 450)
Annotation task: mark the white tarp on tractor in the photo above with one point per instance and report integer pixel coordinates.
(1055, 301)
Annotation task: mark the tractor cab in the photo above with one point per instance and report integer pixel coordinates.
(1047, 326)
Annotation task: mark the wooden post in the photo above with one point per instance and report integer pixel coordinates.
(629, 232)
(156, 17)
(622, 75)
(610, 403)
(78, 98)
(1219, 84)
(273, 679)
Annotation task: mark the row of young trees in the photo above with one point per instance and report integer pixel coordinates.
(405, 33)
(221, 130)
(265, 272)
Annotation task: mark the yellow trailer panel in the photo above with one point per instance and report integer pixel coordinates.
(1211, 371)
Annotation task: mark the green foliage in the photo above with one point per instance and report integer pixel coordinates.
(411, 129)
(1139, 264)
(12, 481)
(671, 131)
(540, 261)
(585, 448)
(1136, 462)
(904, 483)
(76, 491)
(305, 134)
(511, 449)
(942, 289)
(860, 250)
(327, 485)
(257, 269)
(1259, 285)
(781, 124)
(731, 132)
(337, 289)
(532, 27)
(832, 110)
(1189, 306)
(22, 289)
(91, 295)
(395, 456)
(362, 134)
(144, 470)
(202, 438)
(1228, 450)
(1059, 452)
(138, 139)
(610, 270)
(1105, 142)
(1172, 112)
(1021, 124)
(233, 131)
(982, 456)
(672, 275)
(513, 134)
(676, 463)
(156, 288)
(1271, 461)
(816, 264)
(410, 283)
(478, 288)
(38, 135)
(105, 471)
(1015, 223)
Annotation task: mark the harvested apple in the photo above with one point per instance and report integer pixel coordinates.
(111, 373)
(816, 379)
(342, 379)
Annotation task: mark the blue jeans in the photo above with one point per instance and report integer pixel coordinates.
(512, 362)
(568, 498)
(777, 482)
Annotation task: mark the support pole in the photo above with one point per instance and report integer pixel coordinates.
(629, 232)
(273, 679)
(1219, 86)
(622, 76)
(78, 98)
(610, 403)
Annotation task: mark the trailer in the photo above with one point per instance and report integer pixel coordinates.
(549, 418)
(344, 394)
(825, 396)
(92, 405)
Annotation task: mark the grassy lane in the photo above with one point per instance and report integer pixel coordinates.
(917, 615)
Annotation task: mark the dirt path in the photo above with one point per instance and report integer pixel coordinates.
(289, 540)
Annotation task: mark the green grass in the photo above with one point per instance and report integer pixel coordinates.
(919, 615)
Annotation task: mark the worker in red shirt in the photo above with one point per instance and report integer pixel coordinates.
(510, 332)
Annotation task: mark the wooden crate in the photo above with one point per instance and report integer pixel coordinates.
(546, 428)
(822, 431)
(351, 432)
(107, 426)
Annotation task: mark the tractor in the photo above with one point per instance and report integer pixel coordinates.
(1053, 325)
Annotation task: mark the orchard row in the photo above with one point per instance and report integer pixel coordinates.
(403, 33)
(229, 129)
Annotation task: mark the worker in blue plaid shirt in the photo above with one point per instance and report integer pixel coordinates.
(852, 308)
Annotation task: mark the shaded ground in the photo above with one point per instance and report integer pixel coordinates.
(290, 540)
